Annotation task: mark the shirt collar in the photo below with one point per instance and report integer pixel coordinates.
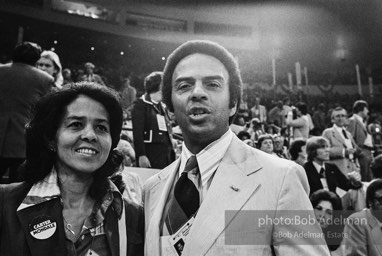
(339, 129)
(112, 198)
(358, 117)
(48, 189)
(42, 191)
(146, 98)
(208, 158)
(318, 167)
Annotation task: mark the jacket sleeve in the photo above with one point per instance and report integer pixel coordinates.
(355, 239)
(138, 119)
(299, 122)
(352, 129)
(342, 181)
(293, 201)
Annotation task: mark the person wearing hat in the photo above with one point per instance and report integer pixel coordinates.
(209, 199)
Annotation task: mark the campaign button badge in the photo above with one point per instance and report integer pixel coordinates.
(42, 227)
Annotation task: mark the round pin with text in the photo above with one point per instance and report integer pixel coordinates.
(42, 227)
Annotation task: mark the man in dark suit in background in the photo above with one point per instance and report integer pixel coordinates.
(21, 86)
(323, 175)
(152, 133)
(362, 137)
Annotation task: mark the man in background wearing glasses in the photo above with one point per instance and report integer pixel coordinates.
(343, 148)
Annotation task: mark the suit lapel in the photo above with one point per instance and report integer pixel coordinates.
(233, 184)
(313, 177)
(338, 136)
(361, 125)
(330, 177)
(159, 195)
(29, 217)
(111, 230)
(146, 99)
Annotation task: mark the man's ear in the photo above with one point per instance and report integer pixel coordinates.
(233, 110)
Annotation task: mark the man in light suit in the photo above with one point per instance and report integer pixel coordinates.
(259, 111)
(363, 233)
(202, 86)
(362, 138)
(342, 146)
(21, 86)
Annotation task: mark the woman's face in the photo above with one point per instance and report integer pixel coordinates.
(46, 65)
(267, 146)
(322, 154)
(324, 213)
(83, 139)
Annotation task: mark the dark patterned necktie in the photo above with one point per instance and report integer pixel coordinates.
(185, 192)
(344, 133)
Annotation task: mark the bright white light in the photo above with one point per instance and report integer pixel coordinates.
(163, 58)
(55, 41)
(52, 49)
(122, 53)
(92, 48)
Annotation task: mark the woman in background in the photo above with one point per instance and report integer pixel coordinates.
(327, 207)
(265, 143)
(50, 63)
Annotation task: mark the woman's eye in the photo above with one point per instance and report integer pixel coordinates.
(75, 124)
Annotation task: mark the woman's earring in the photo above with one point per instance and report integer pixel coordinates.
(51, 147)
